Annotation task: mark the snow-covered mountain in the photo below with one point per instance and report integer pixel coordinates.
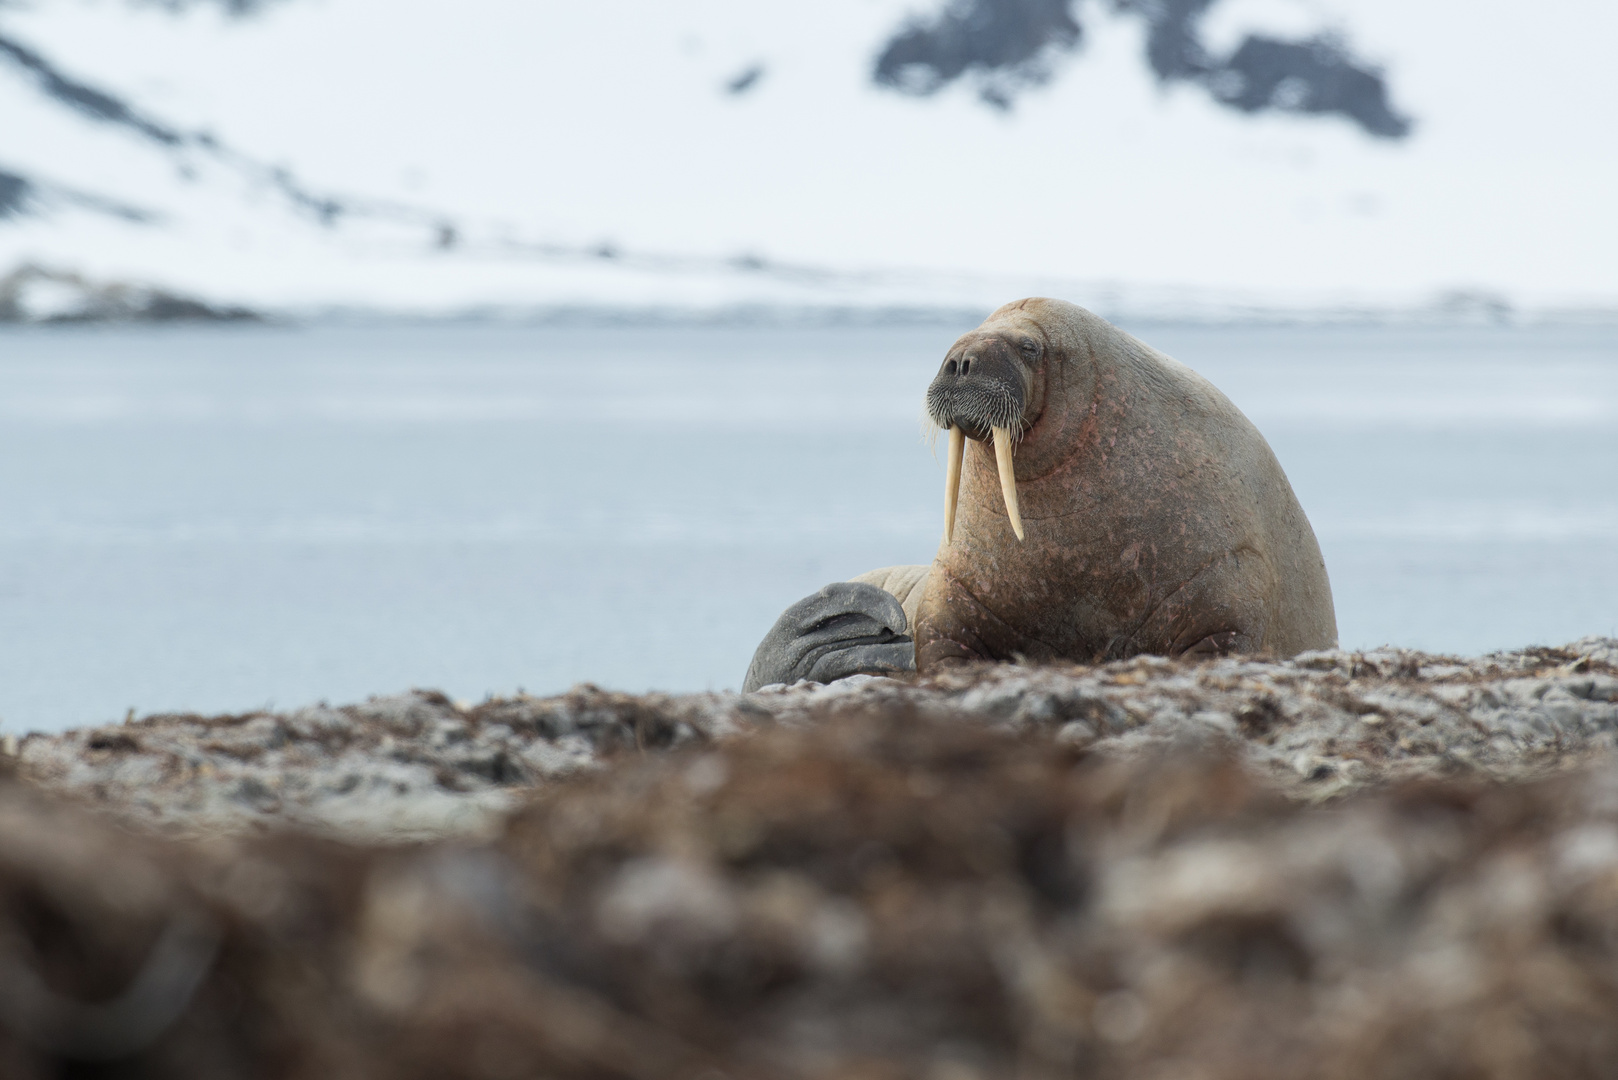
(1186, 156)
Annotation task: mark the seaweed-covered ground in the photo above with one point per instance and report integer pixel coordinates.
(1378, 864)
(418, 765)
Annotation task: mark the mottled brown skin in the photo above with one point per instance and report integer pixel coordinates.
(1158, 519)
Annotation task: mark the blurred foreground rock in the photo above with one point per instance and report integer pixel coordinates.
(1345, 866)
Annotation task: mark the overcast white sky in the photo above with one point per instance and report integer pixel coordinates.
(606, 121)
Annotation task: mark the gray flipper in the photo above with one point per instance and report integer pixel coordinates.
(847, 628)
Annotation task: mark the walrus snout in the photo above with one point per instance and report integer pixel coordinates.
(981, 392)
(979, 387)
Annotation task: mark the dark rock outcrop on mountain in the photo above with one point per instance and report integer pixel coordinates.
(1315, 76)
(94, 103)
(22, 195)
(746, 80)
(1118, 871)
(14, 193)
(1007, 46)
(235, 8)
(77, 299)
(103, 106)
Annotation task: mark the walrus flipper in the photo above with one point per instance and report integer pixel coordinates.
(847, 628)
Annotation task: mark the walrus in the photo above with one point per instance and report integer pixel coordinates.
(1101, 501)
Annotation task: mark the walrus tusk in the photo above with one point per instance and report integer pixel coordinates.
(952, 480)
(1008, 477)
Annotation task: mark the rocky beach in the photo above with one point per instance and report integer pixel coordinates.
(419, 766)
(1351, 863)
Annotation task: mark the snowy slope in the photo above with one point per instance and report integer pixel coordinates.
(547, 137)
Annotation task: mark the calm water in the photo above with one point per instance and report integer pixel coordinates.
(220, 519)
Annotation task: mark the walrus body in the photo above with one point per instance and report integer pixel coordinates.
(1157, 518)
(1102, 500)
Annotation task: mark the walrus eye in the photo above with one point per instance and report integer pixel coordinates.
(1030, 349)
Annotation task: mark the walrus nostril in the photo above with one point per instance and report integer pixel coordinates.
(966, 365)
(950, 367)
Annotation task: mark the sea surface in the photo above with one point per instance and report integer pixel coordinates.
(222, 519)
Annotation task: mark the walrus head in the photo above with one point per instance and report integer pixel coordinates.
(990, 386)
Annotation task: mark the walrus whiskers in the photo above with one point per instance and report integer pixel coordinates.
(1008, 477)
(952, 480)
(929, 433)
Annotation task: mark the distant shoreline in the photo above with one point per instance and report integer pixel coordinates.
(36, 294)
(185, 312)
